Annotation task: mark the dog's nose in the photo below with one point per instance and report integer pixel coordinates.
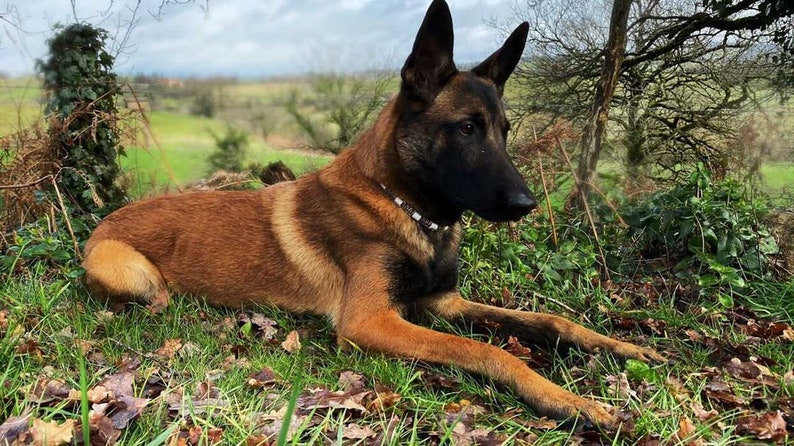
(521, 203)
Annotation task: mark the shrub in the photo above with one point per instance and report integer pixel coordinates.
(230, 150)
(709, 230)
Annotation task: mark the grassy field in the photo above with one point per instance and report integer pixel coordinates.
(212, 376)
(200, 375)
(174, 150)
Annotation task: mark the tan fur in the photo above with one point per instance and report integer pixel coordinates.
(333, 243)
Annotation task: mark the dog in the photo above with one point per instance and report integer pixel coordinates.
(370, 237)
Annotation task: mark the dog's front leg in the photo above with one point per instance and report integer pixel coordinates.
(536, 327)
(384, 330)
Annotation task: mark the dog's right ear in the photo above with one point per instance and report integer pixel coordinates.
(430, 64)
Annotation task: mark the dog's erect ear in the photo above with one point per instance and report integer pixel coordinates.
(430, 64)
(499, 65)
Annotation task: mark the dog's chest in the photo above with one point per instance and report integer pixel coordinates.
(411, 279)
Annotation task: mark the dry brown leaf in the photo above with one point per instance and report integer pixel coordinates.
(767, 426)
(99, 394)
(259, 440)
(3, 321)
(275, 419)
(50, 433)
(687, 433)
(356, 432)
(46, 390)
(189, 349)
(102, 429)
(13, 427)
(701, 413)
(169, 348)
(119, 383)
(515, 348)
(292, 343)
(619, 386)
(262, 378)
(350, 380)
(384, 398)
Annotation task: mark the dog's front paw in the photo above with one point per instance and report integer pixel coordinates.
(644, 354)
(597, 415)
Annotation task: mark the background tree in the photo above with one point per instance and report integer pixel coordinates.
(690, 72)
(338, 108)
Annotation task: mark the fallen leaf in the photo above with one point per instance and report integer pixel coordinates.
(169, 348)
(51, 433)
(619, 386)
(356, 432)
(275, 419)
(264, 377)
(263, 327)
(259, 440)
(103, 317)
(189, 349)
(233, 362)
(30, 347)
(102, 429)
(46, 390)
(99, 394)
(13, 427)
(349, 380)
(515, 348)
(125, 409)
(767, 426)
(214, 435)
(120, 383)
(433, 380)
(292, 343)
(3, 321)
(687, 433)
(384, 398)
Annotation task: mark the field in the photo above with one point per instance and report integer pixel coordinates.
(197, 375)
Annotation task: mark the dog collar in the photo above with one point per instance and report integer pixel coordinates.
(413, 213)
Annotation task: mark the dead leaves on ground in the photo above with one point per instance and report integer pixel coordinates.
(371, 411)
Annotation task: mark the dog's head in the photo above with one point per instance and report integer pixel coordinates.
(452, 129)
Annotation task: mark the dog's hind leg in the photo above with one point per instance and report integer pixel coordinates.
(116, 271)
(385, 331)
(536, 327)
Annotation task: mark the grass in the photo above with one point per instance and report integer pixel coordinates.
(53, 326)
(174, 151)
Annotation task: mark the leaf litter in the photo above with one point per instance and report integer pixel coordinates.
(738, 381)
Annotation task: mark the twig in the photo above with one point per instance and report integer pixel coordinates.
(67, 219)
(546, 193)
(587, 210)
(32, 183)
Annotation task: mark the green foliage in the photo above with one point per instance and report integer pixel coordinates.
(345, 104)
(710, 230)
(525, 257)
(41, 250)
(230, 150)
(81, 89)
(204, 104)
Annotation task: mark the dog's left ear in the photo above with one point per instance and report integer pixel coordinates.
(499, 65)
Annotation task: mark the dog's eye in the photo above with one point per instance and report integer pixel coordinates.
(467, 128)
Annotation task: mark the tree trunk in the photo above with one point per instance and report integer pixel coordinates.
(595, 126)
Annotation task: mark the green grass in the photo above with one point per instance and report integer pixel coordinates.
(175, 151)
(53, 320)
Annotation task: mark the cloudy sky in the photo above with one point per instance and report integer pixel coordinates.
(249, 38)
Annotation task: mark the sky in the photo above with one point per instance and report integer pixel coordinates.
(249, 38)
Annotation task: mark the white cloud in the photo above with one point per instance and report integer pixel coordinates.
(254, 37)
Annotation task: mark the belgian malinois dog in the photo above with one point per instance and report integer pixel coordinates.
(372, 236)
